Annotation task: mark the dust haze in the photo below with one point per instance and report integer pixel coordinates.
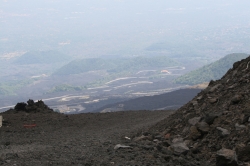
(125, 27)
(82, 55)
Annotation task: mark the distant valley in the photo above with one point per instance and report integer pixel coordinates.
(87, 85)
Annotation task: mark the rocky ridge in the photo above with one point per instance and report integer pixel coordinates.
(31, 107)
(211, 129)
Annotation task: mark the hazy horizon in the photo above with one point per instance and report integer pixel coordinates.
(125, 27)
(179, 36)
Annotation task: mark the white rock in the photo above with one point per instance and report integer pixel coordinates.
(224, 132)
(127, 138)
(239, 127)
(194, 120)
(118, 146)
(177, 140)
(180, 148)
(226, 157)
(212, 89)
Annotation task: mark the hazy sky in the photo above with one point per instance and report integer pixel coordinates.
(95, 27)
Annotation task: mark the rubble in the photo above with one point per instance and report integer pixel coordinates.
(243, 152)
(211, 126)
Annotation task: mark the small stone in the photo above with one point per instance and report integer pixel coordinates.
(187, 142)
(194, 120)
(243, 152)
(194, 103)
(244, 118)
(185, 130)
(143, 137)
(127, 138)
(2, 158)
(177, 140)
(159, 137)
(148, 147)
(7, 143)
(213, 100)
(145, 133)
(212, 89)
(150, 138)
(168, 157)
(166, 143)
(223, 132)
(118, 146)
(180, 148)
(236, 99)
(194, 133)
(199, 98)
(203, 127)
(239, 127)
(226, 157)
(167, 136)
(155, 140)
(209, 119)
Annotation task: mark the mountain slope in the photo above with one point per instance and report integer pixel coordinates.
(84, 65)
(171, 100)
(212, 129)
(212, 71)
(214, 126)
(41, 57)
(115, 65)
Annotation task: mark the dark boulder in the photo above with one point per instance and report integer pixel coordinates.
(226, 157)
(20, 106)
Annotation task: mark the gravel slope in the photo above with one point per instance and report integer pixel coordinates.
(57, 139)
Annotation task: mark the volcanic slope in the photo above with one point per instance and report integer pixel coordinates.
(211, 129)
(33, 134)
(172, 100)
